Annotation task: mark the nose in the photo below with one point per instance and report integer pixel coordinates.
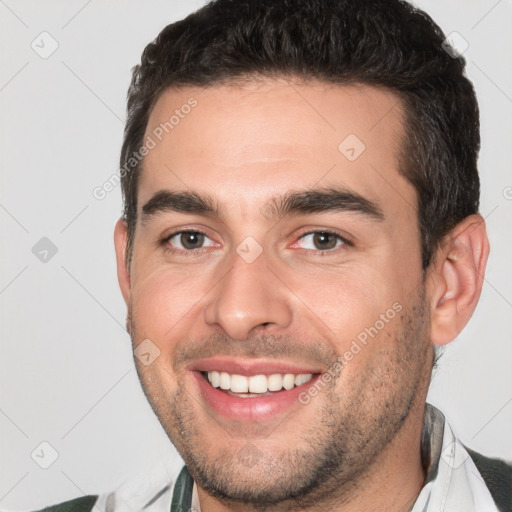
(249, 296)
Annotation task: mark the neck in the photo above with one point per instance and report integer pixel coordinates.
(391, 484)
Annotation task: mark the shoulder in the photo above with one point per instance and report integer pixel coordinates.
(497, 475)
(84, 504)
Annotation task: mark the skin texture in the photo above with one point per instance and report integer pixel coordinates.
(355, 445)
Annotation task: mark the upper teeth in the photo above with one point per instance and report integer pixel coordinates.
(257, 383)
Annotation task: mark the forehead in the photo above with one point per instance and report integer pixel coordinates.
(248, 142)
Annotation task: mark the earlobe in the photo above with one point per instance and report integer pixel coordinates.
(457, 278)
(123, 274)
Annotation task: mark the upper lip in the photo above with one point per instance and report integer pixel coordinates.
(248, 367)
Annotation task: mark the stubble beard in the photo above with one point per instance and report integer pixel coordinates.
(330, 458)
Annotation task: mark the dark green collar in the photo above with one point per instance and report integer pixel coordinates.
(182, 495)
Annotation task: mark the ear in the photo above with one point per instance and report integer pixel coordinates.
(123, 273)
(456, 279)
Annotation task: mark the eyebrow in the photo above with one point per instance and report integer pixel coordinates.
(322, 200)
(291, 203)
(181, 202)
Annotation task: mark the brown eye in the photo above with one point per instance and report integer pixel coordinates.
(192, 240)
(321, 241)
(325, 240)
(189, 240)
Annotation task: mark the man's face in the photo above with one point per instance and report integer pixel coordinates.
(281, 252)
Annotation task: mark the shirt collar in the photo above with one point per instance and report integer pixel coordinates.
(453, 482)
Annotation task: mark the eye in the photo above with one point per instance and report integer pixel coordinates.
(321, 241)
(189, 240)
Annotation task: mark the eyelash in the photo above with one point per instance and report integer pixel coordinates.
(168, 248)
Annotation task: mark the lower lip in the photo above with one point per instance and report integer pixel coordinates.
(254, 409)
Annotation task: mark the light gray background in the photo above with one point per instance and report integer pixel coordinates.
(66, 372)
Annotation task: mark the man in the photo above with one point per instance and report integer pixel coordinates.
(300, 236)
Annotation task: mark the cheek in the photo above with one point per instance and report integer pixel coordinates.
(359, 310)
(375, 366)
(163, 305)
(343, 301)
(165, 302)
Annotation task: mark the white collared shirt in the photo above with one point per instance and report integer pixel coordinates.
(453, 483)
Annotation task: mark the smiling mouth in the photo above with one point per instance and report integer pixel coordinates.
(255, 385)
